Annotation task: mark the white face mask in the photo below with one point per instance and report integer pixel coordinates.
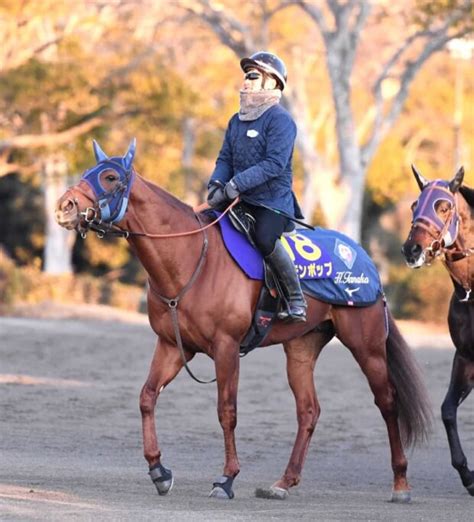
(254, 80)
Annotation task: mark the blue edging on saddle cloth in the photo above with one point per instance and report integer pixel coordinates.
(331, 266)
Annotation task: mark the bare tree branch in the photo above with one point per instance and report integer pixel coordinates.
(229, 30)
(315, 14)
(346, 38)
(32, 141)
(129, 67)
(283, 4)
(359, 22)
(340, 12)
(409, 42)
(435, 40)
(11, 168)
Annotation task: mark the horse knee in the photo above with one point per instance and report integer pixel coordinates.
(147, 400)
(227, 416)
(448, 413)
(308, 417)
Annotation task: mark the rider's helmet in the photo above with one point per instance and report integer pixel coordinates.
(268, 63)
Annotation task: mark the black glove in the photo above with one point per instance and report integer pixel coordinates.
(216, 196)
(231, 190)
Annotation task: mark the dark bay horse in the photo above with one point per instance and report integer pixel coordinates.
(195, 275)
(443, 226)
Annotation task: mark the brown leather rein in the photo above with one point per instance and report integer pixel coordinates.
(103, 228)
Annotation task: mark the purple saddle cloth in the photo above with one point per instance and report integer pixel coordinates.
(331, 266)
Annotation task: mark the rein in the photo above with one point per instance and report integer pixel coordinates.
(174, 301)
(109, 207)
(103, 228)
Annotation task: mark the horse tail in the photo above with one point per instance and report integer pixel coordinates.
(415, 414)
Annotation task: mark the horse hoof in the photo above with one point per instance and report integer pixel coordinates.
(401, 497)
(164, 487)
(470, 489)
(219, 493)
(162, 478)
(272, 493)
(222, 488)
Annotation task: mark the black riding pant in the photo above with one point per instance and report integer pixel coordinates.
(269, 227)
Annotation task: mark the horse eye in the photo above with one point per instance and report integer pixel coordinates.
(111, 178)
(442, 207)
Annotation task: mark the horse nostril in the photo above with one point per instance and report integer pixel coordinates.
(412, 251)
(67, 205)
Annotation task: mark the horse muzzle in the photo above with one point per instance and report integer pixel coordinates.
(414, 254)
(67, 214)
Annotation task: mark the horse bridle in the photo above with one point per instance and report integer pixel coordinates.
(100, 217)
(431, 223)
(92, 221)
(438, 246)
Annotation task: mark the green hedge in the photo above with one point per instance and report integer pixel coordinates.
(20, 285)
(420, 294)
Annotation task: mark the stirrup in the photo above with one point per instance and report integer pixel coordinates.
(296, 314)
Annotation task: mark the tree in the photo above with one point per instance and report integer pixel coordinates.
(51, 101)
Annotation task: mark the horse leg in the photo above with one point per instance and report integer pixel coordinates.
(164, 367)
(367, 344)
(227, 363)
(301, 356)
(459, 389)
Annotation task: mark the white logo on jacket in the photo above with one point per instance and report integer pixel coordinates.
(350, 291)
(252, 133)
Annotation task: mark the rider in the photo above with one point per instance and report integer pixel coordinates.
(255, 164)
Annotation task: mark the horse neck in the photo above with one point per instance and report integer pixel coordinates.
(169, 262)
(462, 270)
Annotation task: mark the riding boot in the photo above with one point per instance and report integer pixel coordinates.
(280, 262)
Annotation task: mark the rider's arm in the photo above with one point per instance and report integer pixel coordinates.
(224, 170)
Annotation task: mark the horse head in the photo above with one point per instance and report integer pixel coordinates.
(435, 222)
(102, 194)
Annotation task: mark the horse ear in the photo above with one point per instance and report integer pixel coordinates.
(100, 155)
(422, 182)
(128, 158)
(456, 182)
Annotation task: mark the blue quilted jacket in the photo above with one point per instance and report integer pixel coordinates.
(257, 155)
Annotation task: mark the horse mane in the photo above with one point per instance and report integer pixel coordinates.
(171, 200)
(468, 194)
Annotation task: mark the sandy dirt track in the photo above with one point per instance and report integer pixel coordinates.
(70, 432)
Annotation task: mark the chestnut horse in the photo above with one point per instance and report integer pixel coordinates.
(193, 274)
(443, 226)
